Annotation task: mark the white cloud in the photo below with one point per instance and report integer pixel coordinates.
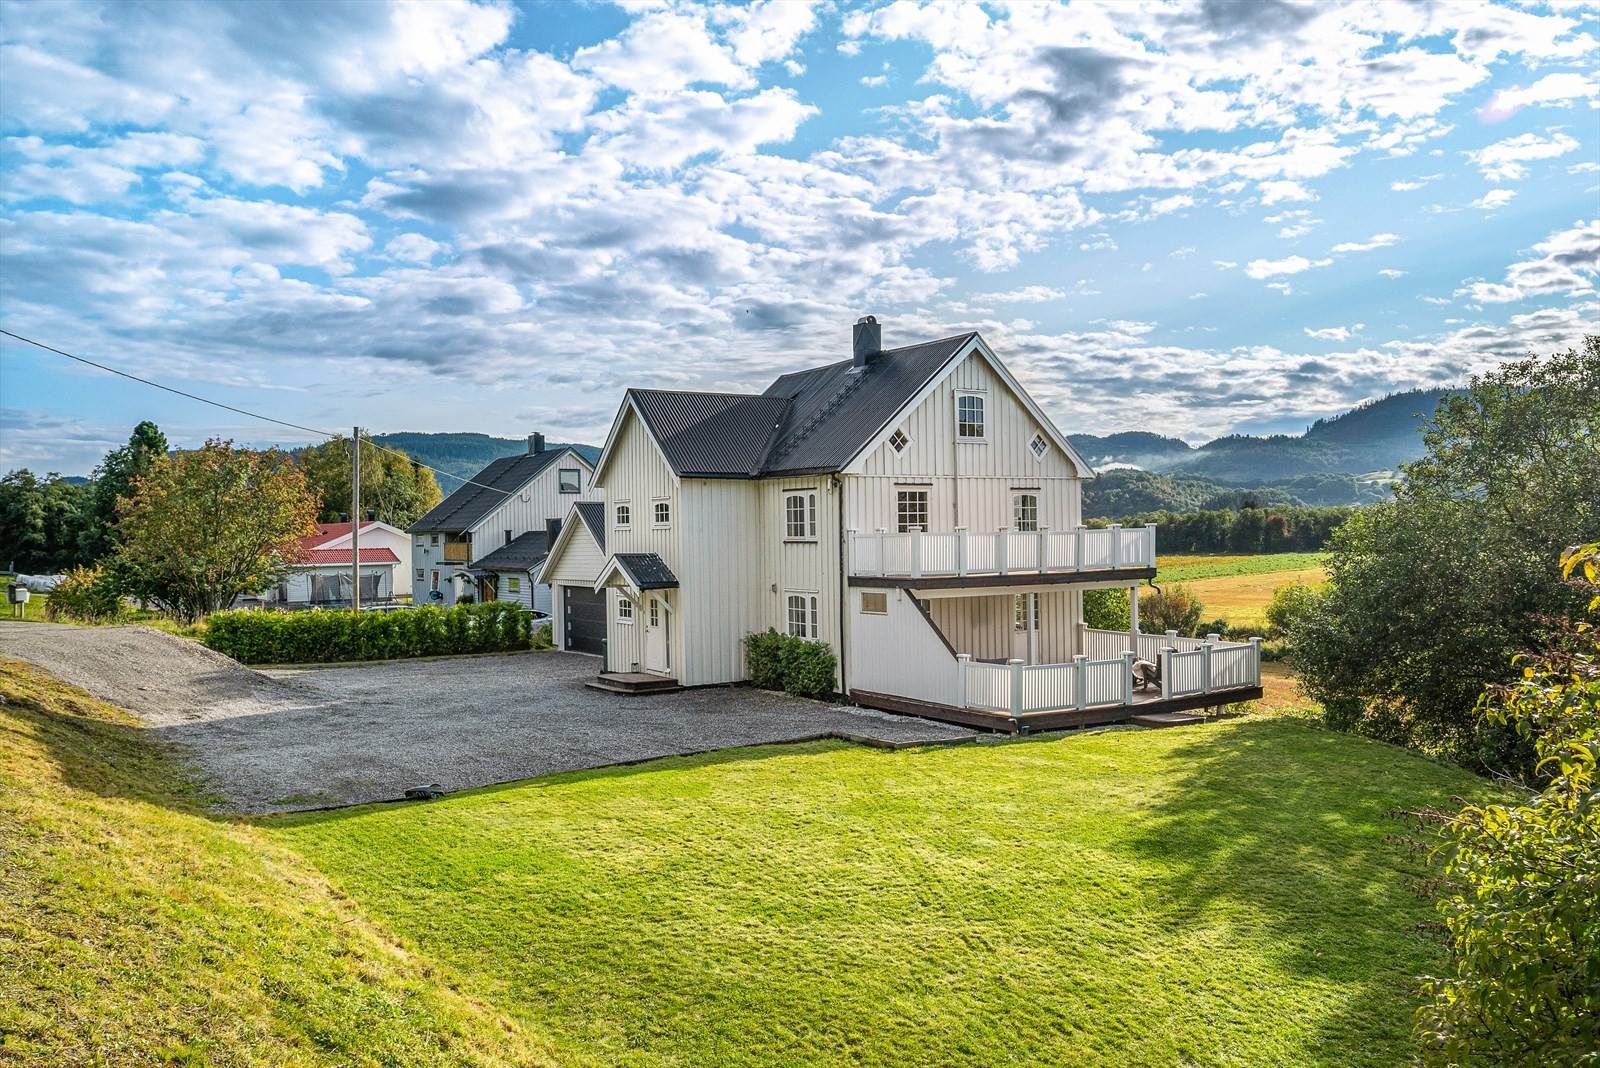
(1375, 241)
(414, 248)
(1391, 272)
(1415, 183)
(1276, 192)
(1560, 89)
(1332, 333)
(1259, 269)
(1571, 258)
(1495, 198)
(1504, 160)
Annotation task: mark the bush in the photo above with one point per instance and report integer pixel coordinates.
(794, 665)
(86, 594)
(544, 638)
(257, 637)
(1174, 608)
(1290, 604)
(1106, 609)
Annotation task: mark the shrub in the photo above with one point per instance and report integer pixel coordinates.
(1290, 604)
(256, 637)
(1106, 609)
(795, 665)
(1174, 608)
(86, 594)
(544, 638)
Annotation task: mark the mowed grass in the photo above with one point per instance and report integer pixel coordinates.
(135, 930)
(1217, 895)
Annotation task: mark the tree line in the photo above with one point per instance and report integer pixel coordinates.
(1249, 529)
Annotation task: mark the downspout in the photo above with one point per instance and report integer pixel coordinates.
(836, 487)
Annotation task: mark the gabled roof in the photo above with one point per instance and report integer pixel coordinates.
(324, 557)
(522, 553)
(488, 490)
(327, 532)
(593, 514)
(640, 571)
(711, 435)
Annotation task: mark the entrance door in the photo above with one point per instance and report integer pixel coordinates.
(1025, 627)
(657, 651)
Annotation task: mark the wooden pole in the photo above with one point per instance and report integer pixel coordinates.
(355, 523)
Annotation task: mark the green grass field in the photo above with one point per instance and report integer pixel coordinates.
(1238, 588)
(1221, 895)
(1187, 569)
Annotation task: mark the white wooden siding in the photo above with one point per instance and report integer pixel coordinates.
(581, 559)
(899, 653)
(637, 472)
(529, 508)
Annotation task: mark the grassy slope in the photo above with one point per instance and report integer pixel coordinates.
(1221, 895)
(138, 931)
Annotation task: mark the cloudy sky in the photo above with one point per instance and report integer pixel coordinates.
(1190, 218)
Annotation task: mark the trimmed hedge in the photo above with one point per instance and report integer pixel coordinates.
(331, 636)
(783, 662)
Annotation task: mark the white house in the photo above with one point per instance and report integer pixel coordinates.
(503, 518)
(913, 508)
(323, 575)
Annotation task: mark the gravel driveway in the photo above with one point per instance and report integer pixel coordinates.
(281, 740)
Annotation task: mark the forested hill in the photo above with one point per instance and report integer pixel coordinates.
(464, 455)
(1375, 436)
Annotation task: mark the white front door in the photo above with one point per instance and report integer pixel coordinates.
(1025, 627)
(657, 651)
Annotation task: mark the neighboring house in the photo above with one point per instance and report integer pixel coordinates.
(322, 577)
(913, 508)
(512, 497)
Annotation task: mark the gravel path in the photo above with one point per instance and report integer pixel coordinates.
(288, 739)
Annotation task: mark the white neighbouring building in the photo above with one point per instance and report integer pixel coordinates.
(913, 508)
(322, 576)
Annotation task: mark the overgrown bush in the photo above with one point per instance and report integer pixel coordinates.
(544, 638)
(1173, 608)
(257, 637)
(1106, 609)
(1290, 603)
(783, 662)
(85, 594)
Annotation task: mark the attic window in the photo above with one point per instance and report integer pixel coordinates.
(569, 480)
(898, 441)
(1039, 446)
(969, 417)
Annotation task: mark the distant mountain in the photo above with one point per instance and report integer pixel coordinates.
(463, 455)
(1375, 436)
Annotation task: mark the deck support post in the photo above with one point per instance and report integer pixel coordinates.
(1128, 657)
(961, 551)
(1080, 682)
(962, 660)
(1016, 687)
(1077, 548)
(1044, 550)
(1150, 561)
(1133, 615)
(1083, 636)
(883, 564)
(916, 552)
(1000, 561)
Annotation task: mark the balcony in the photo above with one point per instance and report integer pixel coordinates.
(965, 554)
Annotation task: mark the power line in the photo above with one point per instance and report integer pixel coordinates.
(329, 435)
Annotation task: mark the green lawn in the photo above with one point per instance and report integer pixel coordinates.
(1220, 895)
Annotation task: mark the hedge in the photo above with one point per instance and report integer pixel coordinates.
(330, 636)
(783, 662)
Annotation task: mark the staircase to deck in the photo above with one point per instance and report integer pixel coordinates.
(632, 683)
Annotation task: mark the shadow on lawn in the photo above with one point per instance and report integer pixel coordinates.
(1299, 861)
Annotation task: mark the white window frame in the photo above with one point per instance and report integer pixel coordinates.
(901, 492)
(513, 584)
(1035, 443)
(903, 432)
(802, 619)
(624, 610)
(656, 504)
(880, 598)
(622, 515)
(806, 514)
(983, 414)
(577, 479)
(422, 574)
(1017, 497)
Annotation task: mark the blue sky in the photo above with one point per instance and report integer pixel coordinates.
(1187, 218)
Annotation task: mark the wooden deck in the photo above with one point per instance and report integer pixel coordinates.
(633, 683)
(1149, 705)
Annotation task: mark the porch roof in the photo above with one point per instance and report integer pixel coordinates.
(637, 572)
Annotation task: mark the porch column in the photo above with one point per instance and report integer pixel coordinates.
(1133, 615)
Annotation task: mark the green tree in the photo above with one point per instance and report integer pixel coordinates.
(1106, 609)
(39, 521)
(394, 487)
(1430, 594)
(1290, 603)
(1174, 608)
(207, 525)
(112, 479)
(1520, 890)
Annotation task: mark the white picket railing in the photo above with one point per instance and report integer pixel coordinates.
(922, 554)
(1091, 680)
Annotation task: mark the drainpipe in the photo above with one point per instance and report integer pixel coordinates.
(836, 488)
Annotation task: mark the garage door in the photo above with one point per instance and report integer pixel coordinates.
(584, 613)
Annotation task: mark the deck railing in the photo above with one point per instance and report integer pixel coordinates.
(922, 554)
(1091, 680)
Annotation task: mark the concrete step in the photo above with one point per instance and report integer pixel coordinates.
(1166, 719)
(632, 683)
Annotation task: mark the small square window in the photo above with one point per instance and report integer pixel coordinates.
(433, 539)
(516, 585)
(969, 416)
(570, 479)
(899, 442)
(420, 574)
(663, 513)
(624, 610)
(1039, 446)
(875, 604)
(624, 515)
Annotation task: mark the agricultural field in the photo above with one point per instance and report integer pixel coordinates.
(1238, 588)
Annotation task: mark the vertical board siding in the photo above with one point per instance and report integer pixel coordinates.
(636, 473)
(899, 653)
(719, 602)
(982, 626)
(580, 561)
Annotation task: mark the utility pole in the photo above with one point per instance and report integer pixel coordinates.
(355, 523)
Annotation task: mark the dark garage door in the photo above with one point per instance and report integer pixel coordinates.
(585, 615)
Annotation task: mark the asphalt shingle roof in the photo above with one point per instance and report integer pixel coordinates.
(487, 490)
(523, 553)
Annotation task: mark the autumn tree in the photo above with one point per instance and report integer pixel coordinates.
(98, 537)
(207, 525)
(393, 486)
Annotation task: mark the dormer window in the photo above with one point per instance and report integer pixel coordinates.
(969, 417)
(899, 442)
(1039, 446)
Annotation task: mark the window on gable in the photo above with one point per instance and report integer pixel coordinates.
(899, 441)
(911, 510)
(624, 610)
(663, 513)
(624, 515)
(969, 417)
(1025, 511)
(800, 516)
(569, 479)
(802, 615)
(1039, 446)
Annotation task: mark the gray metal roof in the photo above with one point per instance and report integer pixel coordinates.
(647, 571)
(806, 422)
(593, 514)
(523, 553)
(487, 491)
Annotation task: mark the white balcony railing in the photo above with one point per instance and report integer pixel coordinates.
(959, 553)
(1094, 680)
